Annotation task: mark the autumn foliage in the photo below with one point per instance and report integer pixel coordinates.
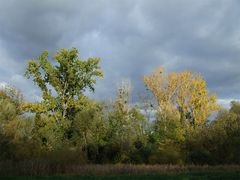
(68, 127)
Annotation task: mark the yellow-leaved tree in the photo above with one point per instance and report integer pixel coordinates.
(183, 94)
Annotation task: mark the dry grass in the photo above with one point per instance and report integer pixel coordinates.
(43, 168)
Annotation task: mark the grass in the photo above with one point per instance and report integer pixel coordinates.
(26, 170)
(173, 176)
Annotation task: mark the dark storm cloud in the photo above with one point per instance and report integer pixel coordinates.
(131, 37)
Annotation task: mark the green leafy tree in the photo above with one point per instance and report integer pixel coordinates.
(127, 126)
(10, 106)
(126, 123)
(168, 138)
(90, 130)
(62, 84)
(225, 132)
(15, 128)
(90, 126)
(218, 142)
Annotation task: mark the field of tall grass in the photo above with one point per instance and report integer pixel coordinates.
(43, 169)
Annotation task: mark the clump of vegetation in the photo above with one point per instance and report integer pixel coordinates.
(69, 128)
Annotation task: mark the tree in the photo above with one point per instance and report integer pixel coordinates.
(89, 125)
(225, 133)
(184, 94)
(127, 125)
(10, 105)
(15, 128)
(62, 84)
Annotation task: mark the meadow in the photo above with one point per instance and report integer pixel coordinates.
(123, 172)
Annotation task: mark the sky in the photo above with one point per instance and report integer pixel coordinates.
(132, 38)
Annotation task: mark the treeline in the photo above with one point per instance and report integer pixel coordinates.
(173, 127)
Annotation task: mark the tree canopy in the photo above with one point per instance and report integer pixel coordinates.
(184, 94)
(63, 82)
(69, 127)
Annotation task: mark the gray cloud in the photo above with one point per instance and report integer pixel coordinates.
(131, 37)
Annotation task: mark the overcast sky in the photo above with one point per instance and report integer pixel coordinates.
(132, 37)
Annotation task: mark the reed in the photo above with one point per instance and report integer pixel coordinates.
(45, 168)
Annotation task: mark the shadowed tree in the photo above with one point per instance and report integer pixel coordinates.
(15, 128)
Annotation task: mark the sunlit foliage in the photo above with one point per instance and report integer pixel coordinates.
(182, 94)
(67, 127)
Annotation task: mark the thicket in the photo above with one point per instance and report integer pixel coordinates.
(69, 127)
